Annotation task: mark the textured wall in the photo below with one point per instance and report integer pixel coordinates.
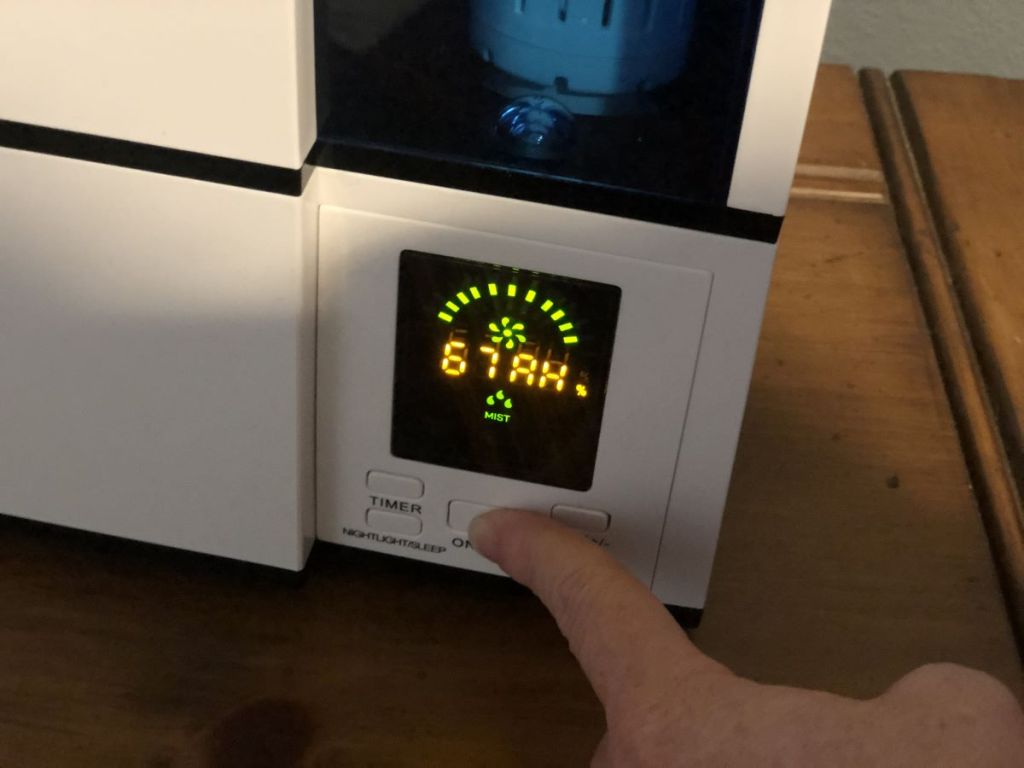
(955, 35)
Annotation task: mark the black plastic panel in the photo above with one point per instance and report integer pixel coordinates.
(501, 371)
(404, 91)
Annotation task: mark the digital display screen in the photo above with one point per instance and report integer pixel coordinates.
(501, 370)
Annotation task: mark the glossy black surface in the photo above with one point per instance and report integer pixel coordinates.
(146, 157)
(402, 93)
(470, 386)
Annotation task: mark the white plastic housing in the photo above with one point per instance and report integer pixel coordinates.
(232, 78)
(785, 66)
(691, 311)
(157, 334)
(156, 358)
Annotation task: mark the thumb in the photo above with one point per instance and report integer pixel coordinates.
(623, 638)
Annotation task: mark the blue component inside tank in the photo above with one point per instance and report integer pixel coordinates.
(535, 126)
(631, 107)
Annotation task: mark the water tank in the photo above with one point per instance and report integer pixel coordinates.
(601, 47)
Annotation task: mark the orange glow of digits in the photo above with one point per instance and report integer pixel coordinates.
(525, 364)
(493, 358)
(453, 362)
(554, 373)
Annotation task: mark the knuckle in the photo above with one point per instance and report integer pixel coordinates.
(955, 684)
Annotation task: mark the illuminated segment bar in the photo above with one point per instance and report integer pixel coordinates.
(461, 299)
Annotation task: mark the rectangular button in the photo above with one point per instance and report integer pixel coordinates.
(461, 513)
(394, 485)
(582, 519)
(386, 521)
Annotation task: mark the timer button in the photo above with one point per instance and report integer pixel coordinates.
(386, 521)
(589, 520)
(394, 485)
(461, 514)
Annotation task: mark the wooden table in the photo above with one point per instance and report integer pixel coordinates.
(968, 135)
(852, 551)
(967, 139)
(852, 548)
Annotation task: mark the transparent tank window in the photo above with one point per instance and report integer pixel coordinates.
(639, 101)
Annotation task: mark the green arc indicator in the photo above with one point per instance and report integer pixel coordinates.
(499, 336)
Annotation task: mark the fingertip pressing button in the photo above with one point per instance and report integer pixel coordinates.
(461, 514)
(400, 486)
(591, 520)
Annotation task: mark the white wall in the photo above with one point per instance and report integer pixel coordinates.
(954, 35)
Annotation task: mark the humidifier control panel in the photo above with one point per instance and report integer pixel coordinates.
(461, 371)
(501, 370)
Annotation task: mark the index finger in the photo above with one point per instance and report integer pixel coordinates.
(623, 638)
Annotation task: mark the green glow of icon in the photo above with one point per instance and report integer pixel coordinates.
(445, 316)
(499, 398)
(463, 297)
(571, 340)
(507, 332)
(452, 306)
(474, 292)
(558, 315)
(565, 327)
(530, 296)
(492, 288)
(547, 305)
(512, 289)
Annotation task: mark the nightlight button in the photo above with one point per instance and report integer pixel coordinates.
(399, 486)
(582, 519)
(386, 521)
(461, 514)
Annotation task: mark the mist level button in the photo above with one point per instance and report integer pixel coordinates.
(399, 486)
(590, 520)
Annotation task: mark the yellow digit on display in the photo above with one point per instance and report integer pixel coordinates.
(554, 373)
(454, 361)
(493, 358)
(525, 364)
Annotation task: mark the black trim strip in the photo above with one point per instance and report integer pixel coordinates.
(717, 219)
(687, 618)
(147, 157)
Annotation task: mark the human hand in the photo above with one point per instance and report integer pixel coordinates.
(666, 704)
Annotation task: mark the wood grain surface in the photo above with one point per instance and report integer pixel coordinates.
(968, 136)
(852, 551)
(966, 387)
(838, 160)
(852, 548)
